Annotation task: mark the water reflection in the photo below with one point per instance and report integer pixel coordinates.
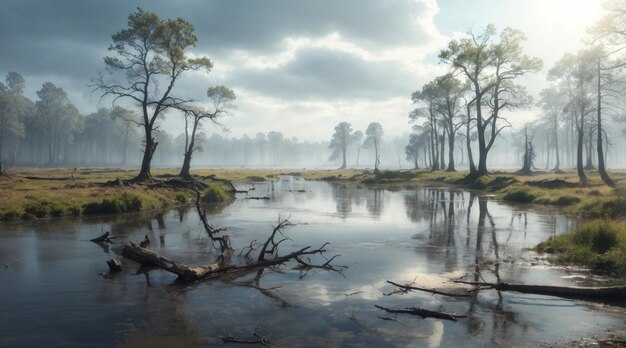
(427, 234)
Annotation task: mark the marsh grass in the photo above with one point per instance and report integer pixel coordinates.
(599, 244)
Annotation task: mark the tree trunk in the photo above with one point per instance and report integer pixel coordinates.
(343, 150)
(579, 155)
(601, 166)
(451, 167)
(148, 152)
(443, 150)
(556, 145)
(125, 144)
(184, 171)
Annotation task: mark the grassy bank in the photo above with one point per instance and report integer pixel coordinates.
(21, 197)
(41, 193)
(597, 244)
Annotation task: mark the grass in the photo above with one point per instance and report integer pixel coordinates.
(21, 198)
(599, 244)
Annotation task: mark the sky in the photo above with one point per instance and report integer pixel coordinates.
(299, 67)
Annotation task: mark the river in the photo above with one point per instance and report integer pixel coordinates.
(52, 292)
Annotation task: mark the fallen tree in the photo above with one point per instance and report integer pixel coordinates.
(598, 293)
(268, 254)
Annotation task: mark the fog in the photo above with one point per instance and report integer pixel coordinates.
(271, 94)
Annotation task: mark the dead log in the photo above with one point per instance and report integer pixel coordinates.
(148, 257)
(114, 265)
(608, 292)
(409, 287)
(424, 313)
(264, 197)
(103, 238)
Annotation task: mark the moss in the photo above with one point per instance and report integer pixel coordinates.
(127, 202)
(217, 194)
(519, 194)
(182, 197)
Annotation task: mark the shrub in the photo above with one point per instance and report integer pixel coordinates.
(127, 202)
(600, 236)
(37, 209)
(11, 215)
(182, 198)
(216, 194)
(519, 195)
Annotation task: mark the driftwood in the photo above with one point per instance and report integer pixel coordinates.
(114, 265)
(409, 287)
(424, 313)
(264, 197)
(268, 254)
(104, 238)
(608, 292)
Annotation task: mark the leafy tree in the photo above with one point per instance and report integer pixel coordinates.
(575, 75)
(60, 119)
(342, 137)
(427, 100)
(491, 67)
(412, 149)
(373, 138)
(552, 103)
(148, 53)
(14, 109)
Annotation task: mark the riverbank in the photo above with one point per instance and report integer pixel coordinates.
(43, 193)
(38, 193)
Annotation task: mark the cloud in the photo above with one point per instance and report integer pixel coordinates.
(329, 60)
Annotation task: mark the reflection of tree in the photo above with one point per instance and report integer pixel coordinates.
(502, 319)
(344, 199)
(374, 202)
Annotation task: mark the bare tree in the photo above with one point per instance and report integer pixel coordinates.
(222, 98)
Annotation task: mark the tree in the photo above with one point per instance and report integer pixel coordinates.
(575, 75)
(128, 118)
(357, 137)
(427, 99)
(222, 98)
(491, 67)
(374, 135)
(529, 154)
(342, 137)
(60, 119)
(14, 109)
(412, 149)
(450, 92)
(148, 53)
(552, 104)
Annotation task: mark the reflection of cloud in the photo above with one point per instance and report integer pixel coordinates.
(435, 339)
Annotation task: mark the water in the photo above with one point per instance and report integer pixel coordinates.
(52, 292)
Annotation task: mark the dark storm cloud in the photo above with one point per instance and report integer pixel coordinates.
(69, 39)
(323, 73)
(29, 29)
